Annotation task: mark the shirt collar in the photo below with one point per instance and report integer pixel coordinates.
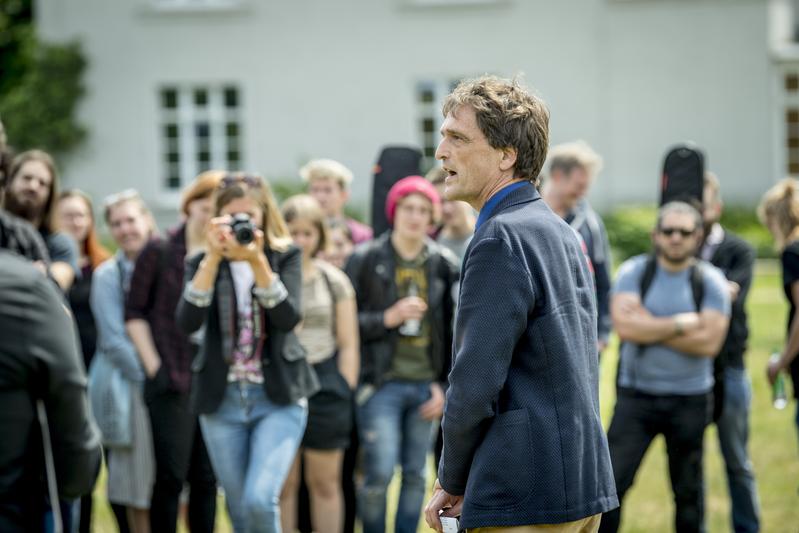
(492, 202)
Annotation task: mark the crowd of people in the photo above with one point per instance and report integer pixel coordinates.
(291, 358)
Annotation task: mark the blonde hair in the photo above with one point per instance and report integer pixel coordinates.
(436, 175)
(276, 233)
(113, 201)
(566, 157)
(327, 169)
(303, 206)
(779, 210)
(712, 184)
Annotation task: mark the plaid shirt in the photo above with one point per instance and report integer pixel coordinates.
(155, 289)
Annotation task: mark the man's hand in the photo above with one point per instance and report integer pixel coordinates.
(441, 501)
(434, 407)
(734, 289)
(772, 370)
(410, 307)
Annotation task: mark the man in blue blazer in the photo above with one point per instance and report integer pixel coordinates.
(523, 441)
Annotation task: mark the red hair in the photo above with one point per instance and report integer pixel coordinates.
(91, 246)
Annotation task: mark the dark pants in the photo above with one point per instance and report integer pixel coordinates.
(180, 456)
(637, 420)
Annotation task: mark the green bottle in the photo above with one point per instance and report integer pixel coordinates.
(778, 396)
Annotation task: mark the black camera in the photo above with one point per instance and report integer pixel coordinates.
(243, 228)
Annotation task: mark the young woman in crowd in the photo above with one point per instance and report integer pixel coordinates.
(329, 334)
(166, 355)
(131, 467)
(76, 218)
(252, 379)
(779, 212)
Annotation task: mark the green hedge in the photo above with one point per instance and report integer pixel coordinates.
(629, 230)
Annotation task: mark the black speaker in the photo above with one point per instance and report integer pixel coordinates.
(683, 175)
(393, 164)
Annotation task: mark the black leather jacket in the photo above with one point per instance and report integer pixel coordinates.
(371, 269)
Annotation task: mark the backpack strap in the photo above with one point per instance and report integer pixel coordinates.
(333, 300)
(697, 285)
(650, 269)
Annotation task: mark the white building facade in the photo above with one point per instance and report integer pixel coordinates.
(178, 86)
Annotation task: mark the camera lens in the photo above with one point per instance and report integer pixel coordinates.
(243, 228)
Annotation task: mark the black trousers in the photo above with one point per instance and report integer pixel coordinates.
(637, 420)
(180, 456)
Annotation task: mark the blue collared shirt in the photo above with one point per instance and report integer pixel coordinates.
(492, 202)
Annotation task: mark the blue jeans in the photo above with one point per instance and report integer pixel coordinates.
(733, 431)
(392, 432)
(252, 443)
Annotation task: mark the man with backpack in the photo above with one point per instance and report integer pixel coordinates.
(733, 390)
(671, 312)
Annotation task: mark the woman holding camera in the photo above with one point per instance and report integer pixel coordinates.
(251, 376)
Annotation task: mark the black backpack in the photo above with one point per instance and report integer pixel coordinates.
(393, 164)
(683, 177)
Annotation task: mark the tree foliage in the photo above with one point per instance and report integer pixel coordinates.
(39, 112)
(40, 84)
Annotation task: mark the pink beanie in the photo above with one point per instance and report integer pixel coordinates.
(406, 186)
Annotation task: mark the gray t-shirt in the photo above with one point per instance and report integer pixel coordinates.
(62, 247)
(657, 369)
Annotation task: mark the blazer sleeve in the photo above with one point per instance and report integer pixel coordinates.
(496, 298)
(75, 438)
(188, 316)
(286, 315)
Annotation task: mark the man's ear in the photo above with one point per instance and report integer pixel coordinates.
(508, 160)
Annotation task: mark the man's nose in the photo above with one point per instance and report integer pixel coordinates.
(441, 152)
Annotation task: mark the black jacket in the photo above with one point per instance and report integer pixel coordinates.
(371, 269)
(735, 258)
(287, 375)
(40, 359)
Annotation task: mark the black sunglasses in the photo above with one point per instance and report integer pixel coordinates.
(668, 232)
(250, 180)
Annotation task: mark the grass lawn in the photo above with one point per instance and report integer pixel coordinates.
(648, 506)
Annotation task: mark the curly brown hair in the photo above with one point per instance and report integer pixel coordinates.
(509, 116)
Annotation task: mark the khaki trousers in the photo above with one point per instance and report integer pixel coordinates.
(589, 524)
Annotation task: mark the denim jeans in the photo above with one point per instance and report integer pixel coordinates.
(392, 432)
(638, 418)
(252, 443)
(733, 431)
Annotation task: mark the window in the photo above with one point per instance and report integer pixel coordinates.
(791, 120)
(200, 130)
(429, 98)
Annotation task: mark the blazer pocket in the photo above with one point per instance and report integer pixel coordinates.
(501, 472)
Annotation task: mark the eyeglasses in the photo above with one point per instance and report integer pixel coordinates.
(685, 233)
(250, 180)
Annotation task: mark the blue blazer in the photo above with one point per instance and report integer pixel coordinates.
(523, 441)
